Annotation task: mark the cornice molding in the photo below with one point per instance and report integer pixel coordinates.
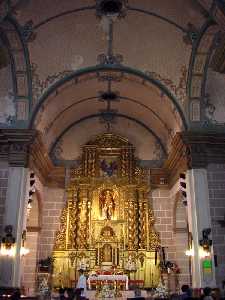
(204, 148)
(14, 146)
(194, 150)
(42, 165)
(39, 159)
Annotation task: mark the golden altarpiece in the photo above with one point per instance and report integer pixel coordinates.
(107, 223)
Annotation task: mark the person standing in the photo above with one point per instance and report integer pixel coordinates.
(82, 284)
(207, 291)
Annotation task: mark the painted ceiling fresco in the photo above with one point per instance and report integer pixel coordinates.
(144, 66)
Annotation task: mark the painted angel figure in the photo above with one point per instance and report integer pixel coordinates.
(108, 167)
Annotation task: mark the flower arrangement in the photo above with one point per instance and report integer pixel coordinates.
(107, 292)
(160, 291)
(43, 287)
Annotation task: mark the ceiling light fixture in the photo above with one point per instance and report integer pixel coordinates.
(111, 8)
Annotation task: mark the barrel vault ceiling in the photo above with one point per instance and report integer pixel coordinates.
(127, 74)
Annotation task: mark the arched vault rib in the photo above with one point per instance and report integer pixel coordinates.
(121, 97)
(104, 68)
(97, 116)
(129, 8)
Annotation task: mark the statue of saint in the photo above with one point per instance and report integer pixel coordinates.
(107, 204)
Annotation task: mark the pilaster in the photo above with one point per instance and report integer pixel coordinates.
(199, 219)
(14, 149)
(14, 146)
(191, 152)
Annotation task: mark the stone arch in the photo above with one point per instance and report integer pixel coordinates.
(34, 220)
(199, 62)
(180, 227)
(179, 215)
(98, 115)
(106, 68)
(32, 243)
(15, 35)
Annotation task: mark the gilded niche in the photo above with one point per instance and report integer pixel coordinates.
(108, 217)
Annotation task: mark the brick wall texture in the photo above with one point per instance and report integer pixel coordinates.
(163, 201)
(30, 263)
(52, 204)
(3, 190)
(216, 183)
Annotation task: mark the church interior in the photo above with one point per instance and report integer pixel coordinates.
(112, 146)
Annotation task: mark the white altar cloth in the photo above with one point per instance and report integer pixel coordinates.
(108, 278)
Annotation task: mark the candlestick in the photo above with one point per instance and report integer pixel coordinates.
(164, 256)
(156, 254)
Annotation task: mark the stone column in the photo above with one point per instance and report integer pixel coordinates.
(14, 149)
(199, 219)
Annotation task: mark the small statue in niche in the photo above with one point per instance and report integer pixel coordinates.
(107, 204)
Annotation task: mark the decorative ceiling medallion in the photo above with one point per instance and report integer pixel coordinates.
(111, 8)
(108, 96)
(104, 59)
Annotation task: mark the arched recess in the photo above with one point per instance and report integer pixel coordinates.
(180, 227)
(33, 227)
(141, 98)
(97, 116)
(106, 68)
(179, 215)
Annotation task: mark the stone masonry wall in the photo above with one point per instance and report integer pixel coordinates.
(52, 205)
(175, 243)
(216, 183)
(30, 263)
(3, 190)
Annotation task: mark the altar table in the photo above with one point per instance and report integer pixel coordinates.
(108, 278)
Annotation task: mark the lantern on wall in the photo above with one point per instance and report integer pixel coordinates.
(8, 242)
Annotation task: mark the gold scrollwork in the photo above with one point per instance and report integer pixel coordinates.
(60, 241)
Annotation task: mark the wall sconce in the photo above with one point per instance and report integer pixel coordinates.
(206, 243)
(8, 242)
(23, 250)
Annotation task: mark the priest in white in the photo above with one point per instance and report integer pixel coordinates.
(82, 283)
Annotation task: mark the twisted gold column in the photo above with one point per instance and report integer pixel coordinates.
(132, 220)
(142, 220)
(82, 233)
